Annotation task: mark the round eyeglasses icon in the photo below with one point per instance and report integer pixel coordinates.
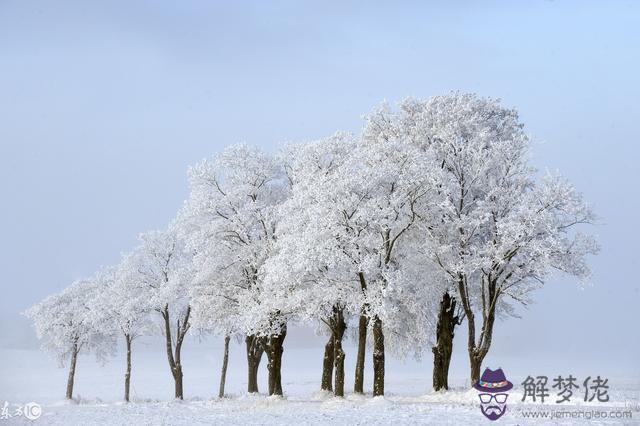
(486, 398)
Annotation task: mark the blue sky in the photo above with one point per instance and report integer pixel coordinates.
(103, 106)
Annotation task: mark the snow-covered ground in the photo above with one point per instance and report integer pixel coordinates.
(29, 375)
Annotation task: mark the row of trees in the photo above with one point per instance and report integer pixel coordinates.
(430, 218)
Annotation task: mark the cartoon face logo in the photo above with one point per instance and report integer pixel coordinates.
(492, 388)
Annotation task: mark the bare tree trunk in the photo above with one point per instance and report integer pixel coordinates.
(127, 375)
(174, 358)
(277, 386)
(477, 351)
(252, 384)
(254, 355)
(225, 362)
(358, 384)
(274, 349)
(179, 391)
(177, 373)
(447, 321)
(339, 328)
(327, 366)
(378, 357)
(475, 364)
(72, 370)
(169, 347)
(363, 323)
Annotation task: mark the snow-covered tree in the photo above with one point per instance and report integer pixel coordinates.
(352, 205)
(392, 179)
(123, 301)
(496, 231)
(68, 323)
(162, 268)
(307, 275)
(386, 124)
(232, 217)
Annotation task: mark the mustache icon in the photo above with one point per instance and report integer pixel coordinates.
(493, 409)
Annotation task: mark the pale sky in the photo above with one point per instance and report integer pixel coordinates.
(103, 105)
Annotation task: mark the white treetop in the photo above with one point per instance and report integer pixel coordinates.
(232, 217)
(162, 268)
(124, 297)
(308, 268)
(492, 227)
(68, 321)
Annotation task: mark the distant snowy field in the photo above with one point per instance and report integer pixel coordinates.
(29, 375)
